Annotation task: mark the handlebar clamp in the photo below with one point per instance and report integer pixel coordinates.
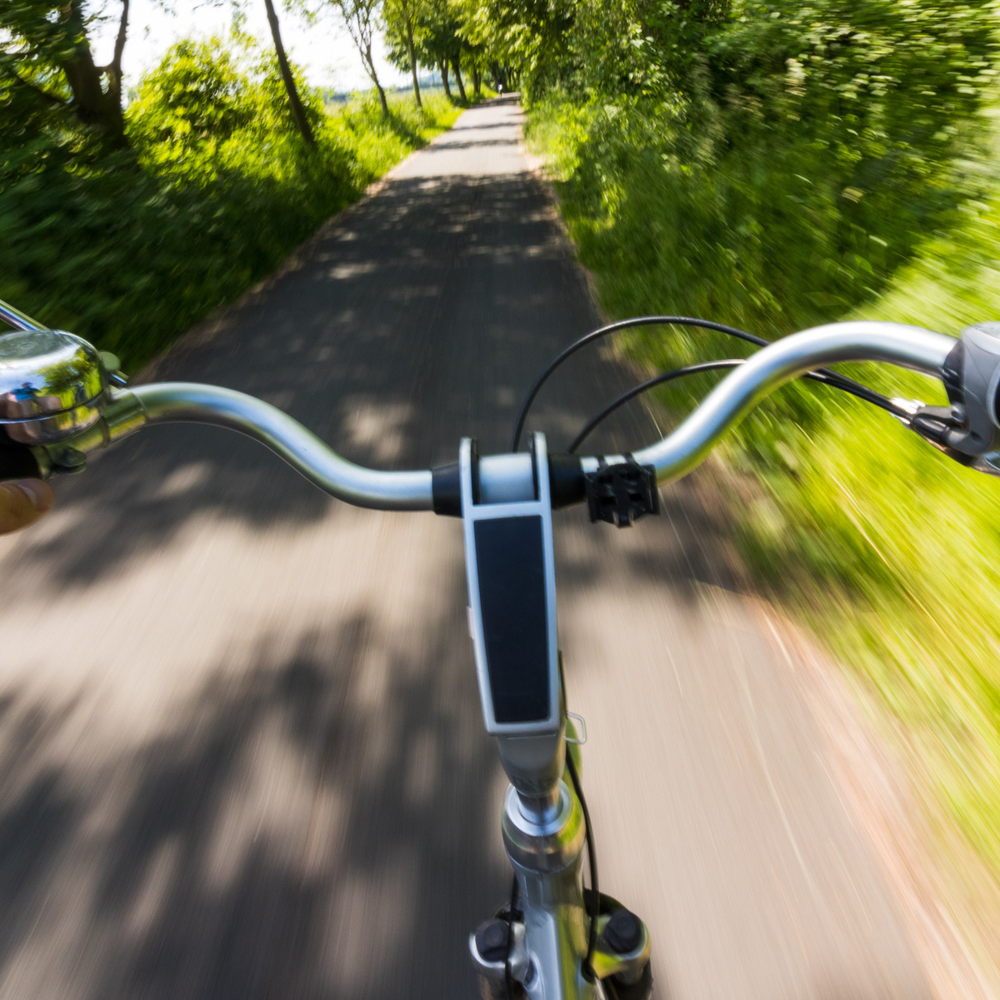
(622, 493)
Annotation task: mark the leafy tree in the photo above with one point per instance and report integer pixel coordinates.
(295, 104)
(401, 18)
(532, 35)
(213, 106)
(45, 48)
(442, 38)
(359, 17)
(196, 94)
(438, 41)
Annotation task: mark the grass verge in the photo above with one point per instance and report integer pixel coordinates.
(887, 551)
(131, 248)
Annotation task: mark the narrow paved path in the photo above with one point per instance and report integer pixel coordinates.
(241, 753)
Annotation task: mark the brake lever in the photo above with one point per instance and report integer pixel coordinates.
(938, 426)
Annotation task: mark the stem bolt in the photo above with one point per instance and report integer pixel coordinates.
(623, 932)
(491, 939)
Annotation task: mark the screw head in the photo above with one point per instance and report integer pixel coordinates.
(623, 932)
(492, 937)
(69, 460)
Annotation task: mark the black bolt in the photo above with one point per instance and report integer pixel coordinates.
(491, 939)
(70, 459)
(623, 932)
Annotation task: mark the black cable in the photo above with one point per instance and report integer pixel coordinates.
(511, 911)
(595, 894)
(636, 390)
(848, 385)
(820, 375)
(624, 324)
(823, 375)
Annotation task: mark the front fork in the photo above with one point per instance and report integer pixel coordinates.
(538, 950)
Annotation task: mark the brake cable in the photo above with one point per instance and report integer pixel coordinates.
(706, 366)
(604, 331)
(595, 892)
(832, 378)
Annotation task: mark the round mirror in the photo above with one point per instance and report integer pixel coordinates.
(51, 385)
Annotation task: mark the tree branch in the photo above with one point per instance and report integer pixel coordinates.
(41, 91)
(116, 62)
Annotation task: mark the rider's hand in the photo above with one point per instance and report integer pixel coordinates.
(24, 503)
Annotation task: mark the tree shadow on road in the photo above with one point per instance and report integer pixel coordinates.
(287, 835)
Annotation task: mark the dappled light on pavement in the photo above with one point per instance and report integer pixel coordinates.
(241, 743)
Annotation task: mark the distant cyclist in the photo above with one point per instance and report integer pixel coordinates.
(23, 503)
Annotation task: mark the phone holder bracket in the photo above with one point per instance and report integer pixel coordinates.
(510, 568)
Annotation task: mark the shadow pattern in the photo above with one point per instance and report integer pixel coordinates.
(417, 317)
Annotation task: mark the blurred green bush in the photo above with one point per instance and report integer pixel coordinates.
(786, 165)
(129, 248)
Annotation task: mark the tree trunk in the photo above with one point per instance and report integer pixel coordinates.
(382, 100)
(370, 66)
(477, 80)
(92, 105)
(444, 78)
(458, 76)
(294, 101)
(413, 62)
(113, 70)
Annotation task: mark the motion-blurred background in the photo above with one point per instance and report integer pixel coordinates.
(764, 163)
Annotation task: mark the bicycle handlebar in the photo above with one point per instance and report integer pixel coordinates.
(171, 402)
(907, 346)
(502, 477)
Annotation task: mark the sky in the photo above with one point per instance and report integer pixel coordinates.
(324, 50)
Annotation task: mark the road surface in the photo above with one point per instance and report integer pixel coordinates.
(241, 746)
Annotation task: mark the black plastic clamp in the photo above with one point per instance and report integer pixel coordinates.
(622, 493)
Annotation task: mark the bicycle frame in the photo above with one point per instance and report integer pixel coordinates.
(549, 943)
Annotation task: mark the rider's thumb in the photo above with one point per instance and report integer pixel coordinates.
(24, 503)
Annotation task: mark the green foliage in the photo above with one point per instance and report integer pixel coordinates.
(534, 36)
(128, 249)
(892, 552)
(438, 37)
(375, 144)
(213, 106)
(847, 156)
(780, 165)
(197, 96)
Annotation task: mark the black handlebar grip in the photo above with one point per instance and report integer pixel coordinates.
(17, 461)
(567, 483)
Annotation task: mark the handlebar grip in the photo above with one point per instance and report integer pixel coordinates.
(17, 461)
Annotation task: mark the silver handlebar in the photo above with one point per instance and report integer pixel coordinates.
(169, 402)
(907, 346)
(17, 319)
(502, 477)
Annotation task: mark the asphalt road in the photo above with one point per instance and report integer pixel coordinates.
(241, 752)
